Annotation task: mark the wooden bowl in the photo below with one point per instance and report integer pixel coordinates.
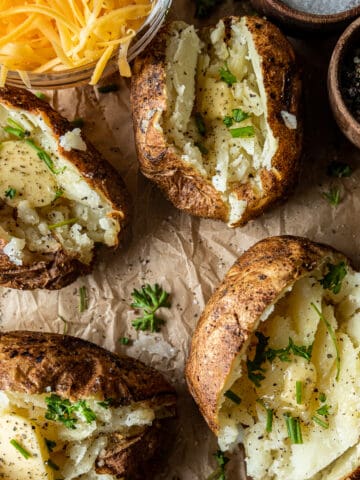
(347, 123)
(296, 22)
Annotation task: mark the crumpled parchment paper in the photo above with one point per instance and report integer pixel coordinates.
(187, 256)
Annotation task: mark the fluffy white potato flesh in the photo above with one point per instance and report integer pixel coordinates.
(47, 208)
(72, 452)
(321, 391)
(197, 90)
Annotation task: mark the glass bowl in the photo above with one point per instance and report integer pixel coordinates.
(82, 75)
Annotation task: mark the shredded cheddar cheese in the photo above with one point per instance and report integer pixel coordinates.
(41, 36)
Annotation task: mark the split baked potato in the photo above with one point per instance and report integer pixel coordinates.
(58, 196)
(275, 361)
(217, 117)
(72, 410)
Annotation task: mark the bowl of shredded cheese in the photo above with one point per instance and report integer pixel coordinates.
(63, 43)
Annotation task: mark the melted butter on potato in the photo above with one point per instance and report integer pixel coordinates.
(294, 317)
(23, 170)
(13, 465)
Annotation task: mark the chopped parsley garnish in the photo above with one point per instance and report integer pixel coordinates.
(200, 123)
(333, 338)
(149, 299)
(62, 410)
(322, 397)
(227, 76)
(112, 87)
(294, 428)
(10, 193)
(339, 170)
(201, 147)
(299, 389)
(69, 221)
(52, 465)
(254, 367)
(106, 403)
(20, 449)
(83, 305)
(203, 8)
(124, 340)
(232, 396)
(242, 132)
(219, 473)
(320, 422)
(323, 410)
(50, 444)
(40, 95)
(238, 116)
(284, 353)
(45, 157)
(333, 196)
(77, 122)
(228, 121)
(334, 277)
(262, 354)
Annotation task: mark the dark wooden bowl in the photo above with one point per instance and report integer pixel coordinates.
(347, 123)
(296, 22)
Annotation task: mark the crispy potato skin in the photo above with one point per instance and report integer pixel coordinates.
(54, 271)
(76, 369)
(185, 187)
(233, 312)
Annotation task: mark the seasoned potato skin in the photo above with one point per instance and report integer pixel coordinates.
(31, 362)
(54, 271)
(233, 312)
(181, 183)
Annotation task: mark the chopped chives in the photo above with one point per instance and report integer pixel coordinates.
(232, 396)
(15, 131)
(320, 422)
(124, 340)
(83, 299)
(322, 397)
(69, 221)
(269, 419)
(40, 95)
(20, 449)
(294, 428)
(299, 387)
(333, 338)
(45, 157)
(242, 132)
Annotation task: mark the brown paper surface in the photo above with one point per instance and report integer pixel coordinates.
(188, 256)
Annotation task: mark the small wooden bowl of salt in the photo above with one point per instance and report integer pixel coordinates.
(309, 16)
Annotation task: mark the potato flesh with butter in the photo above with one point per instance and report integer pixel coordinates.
(72, 452)
(47, 207)
(195, 91)
(322, 393)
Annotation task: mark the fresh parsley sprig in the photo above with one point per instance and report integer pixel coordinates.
(149, 299)
(10, 193)
(334, 277)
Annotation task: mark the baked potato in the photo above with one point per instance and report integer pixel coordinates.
(70, 409)
(217, 117)
(58, 196)
(275, 364)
